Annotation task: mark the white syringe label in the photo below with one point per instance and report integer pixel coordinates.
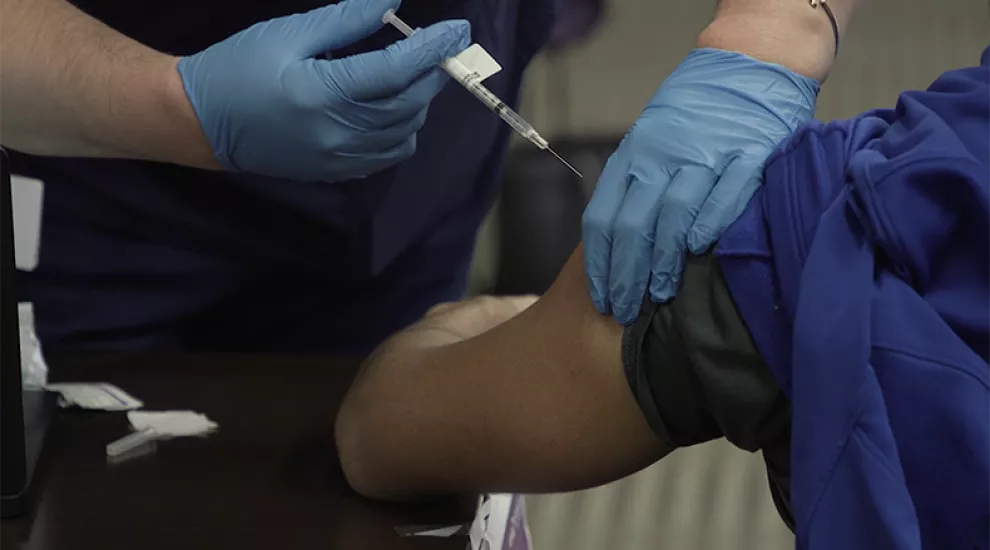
(475, 60)
(462, 74)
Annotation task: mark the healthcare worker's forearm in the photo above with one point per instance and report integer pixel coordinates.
(787, 32)
(71, 86)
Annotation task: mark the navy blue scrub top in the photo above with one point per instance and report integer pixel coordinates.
(142, 256)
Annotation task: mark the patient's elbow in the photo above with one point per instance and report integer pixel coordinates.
(360, 460)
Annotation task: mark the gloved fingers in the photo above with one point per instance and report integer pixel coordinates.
(632, 247)
(385, 139)
(726, 203)
(687, 191)
(335, 26)
(387, 72)
(596, 228)
(390, 111)
(352, 165)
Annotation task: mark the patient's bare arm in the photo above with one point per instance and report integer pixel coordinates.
(539, 403)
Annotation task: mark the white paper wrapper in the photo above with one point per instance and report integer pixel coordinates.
(34, 370)
(500, 524)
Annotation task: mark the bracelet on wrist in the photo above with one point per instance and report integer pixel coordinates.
(831, 19)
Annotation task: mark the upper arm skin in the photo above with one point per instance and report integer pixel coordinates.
(539, 403)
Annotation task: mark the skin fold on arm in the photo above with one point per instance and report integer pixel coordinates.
(539, 403)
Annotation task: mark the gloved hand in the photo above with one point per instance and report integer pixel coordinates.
(269, 107)
(685, 172)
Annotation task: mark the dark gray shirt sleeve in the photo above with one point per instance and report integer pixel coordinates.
(697, 375)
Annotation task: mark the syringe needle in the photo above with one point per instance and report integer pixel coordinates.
(567, 164)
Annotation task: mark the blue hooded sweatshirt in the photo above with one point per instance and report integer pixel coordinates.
(863, 271)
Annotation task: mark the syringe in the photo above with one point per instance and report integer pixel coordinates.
(471, 81)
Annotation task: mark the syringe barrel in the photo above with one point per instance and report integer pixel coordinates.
(505, 112)
(524, 128)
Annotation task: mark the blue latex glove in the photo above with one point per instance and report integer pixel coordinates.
(269, 106)
(685, 172)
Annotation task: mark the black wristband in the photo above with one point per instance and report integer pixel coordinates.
(831, 19)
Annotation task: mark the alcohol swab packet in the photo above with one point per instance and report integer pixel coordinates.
(153, 426)
(97, 396)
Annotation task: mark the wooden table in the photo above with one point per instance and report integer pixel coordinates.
(268, 478)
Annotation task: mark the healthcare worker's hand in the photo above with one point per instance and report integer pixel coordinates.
(270, 106)
(685, 172)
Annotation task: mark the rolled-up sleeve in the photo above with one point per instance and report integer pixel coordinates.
(697, 375)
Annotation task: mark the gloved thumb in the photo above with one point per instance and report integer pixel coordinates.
(335, 26)
(726, 203)
(387, 72)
